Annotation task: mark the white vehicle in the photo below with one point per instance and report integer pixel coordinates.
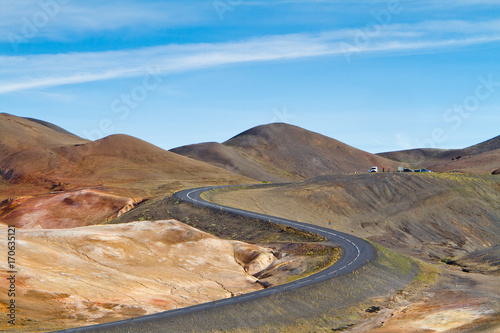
(373, 169)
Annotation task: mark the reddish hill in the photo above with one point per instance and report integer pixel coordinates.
(481, 158)
(38, 153)
(88, 182)
(125, 158)
(278, 152)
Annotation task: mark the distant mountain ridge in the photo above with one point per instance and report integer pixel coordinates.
(483, 147)
(480, 158)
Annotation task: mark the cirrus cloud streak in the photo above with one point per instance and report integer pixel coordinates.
(48, 70)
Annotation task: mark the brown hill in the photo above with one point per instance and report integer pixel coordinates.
(120, 158)
(481, 158)
(229, 158)
(278, 152)
(35, 154)
(18, 134)
(89, 181)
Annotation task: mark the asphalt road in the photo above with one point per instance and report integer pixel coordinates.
(356, 252)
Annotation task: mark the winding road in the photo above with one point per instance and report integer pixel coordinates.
(356, 252)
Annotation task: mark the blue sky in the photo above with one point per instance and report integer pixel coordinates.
(378, 75)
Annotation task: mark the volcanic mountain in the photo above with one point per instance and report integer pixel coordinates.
(481, 158)
(50, 178)
(279, 152)
(36, 152)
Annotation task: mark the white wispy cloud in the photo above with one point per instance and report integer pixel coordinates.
(40, 71)
(58, 19)
(65, 19)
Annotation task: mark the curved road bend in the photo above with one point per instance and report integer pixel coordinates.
(356, 252)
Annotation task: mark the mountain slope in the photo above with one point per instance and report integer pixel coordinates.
(229, 158)
(481, 158)
(18, 134)
(429, 215)
(44, 155)
(278, 152)
(116, 158)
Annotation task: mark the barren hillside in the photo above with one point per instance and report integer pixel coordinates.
(450, 218)
(278, 152)
(426, 215)
(50, 178)
(37, 157)
(96, 274)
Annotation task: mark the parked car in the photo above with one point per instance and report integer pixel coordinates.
(373, 169)
(422, 170)
(407, 170)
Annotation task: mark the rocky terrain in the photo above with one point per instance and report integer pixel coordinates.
(449, 220)
(457, 302)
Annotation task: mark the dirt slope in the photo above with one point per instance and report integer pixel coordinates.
(482, 158)
(431, 216)
(116, 158)
(278, 152)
